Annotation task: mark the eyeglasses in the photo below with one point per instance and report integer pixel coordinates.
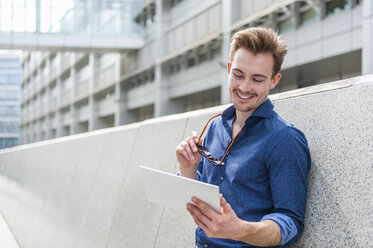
(206, 153)
(203, 149)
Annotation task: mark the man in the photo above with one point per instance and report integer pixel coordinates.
(261, 163)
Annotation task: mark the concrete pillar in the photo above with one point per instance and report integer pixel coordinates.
(38, 103)
(74, 119)
(37, 11)
(226, 22)
(59, 125)
(91, 103)
(94, 121)
(122, 115)
(48, 132)
(161, 99)
(367, 39)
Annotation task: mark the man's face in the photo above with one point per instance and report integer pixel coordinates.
(250, 79)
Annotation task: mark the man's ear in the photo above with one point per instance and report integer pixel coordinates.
(229, 67)
(275, 80)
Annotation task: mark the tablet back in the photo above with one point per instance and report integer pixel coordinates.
(174, 191)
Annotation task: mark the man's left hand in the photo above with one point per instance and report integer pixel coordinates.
(224, 225)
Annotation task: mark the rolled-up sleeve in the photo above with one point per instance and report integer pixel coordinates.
(288, 163)
(288, 229)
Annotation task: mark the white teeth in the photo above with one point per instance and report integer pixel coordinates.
(244, 97)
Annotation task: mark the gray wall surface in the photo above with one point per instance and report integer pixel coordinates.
(86, 190)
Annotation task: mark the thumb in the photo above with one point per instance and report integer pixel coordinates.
(224, 204)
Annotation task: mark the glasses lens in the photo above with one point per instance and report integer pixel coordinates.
(215, 162)
(207, 154)
(203, 151)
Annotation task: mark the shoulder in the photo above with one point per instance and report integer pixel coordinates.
(285, 136)
(288, 146)
(284, 129)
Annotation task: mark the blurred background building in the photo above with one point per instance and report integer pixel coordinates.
(10, 98)
(97, 64)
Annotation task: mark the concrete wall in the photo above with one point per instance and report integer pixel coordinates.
(86, 190)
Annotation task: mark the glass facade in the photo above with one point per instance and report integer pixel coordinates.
(83, 17)
(10, 81)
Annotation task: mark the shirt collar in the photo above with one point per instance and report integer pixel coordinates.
(265, 111)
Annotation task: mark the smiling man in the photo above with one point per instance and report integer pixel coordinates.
(259, 161)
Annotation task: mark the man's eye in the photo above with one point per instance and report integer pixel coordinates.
(257, 80)
(238, 76)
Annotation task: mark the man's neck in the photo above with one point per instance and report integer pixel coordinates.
(239, 122)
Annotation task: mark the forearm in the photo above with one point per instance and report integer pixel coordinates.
(264, 233)
(188, 172)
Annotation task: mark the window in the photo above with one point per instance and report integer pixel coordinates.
(202, 57)
(173, 3)
(335, 6)
(286, 25)
(9, 127)
(10, 79)
(8, 95)
(215, 52)
(9, 111)
(9, 63)
(308, 16)
(190, 62)
(8, 142)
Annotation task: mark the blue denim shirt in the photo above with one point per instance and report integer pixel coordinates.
(265, 172)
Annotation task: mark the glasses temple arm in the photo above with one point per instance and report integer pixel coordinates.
(200, 136)
(229, 147)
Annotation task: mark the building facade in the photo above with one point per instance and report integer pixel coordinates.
(182, 65)
(10, 97)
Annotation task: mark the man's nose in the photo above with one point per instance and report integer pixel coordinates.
(246, 86)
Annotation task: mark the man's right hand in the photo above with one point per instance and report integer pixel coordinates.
(188, 156)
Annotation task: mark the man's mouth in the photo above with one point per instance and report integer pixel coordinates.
(243, 97)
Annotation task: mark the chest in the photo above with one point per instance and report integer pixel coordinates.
(245, 162)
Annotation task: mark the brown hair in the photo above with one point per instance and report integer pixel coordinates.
(259, 40)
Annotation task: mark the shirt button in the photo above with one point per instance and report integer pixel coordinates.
(221, 178)
(206, 245)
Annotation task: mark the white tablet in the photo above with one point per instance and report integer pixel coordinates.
(174, 191)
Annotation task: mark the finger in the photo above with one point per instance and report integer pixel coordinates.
(200, 142)
(192, 144)
(186, 147)
(197, 221)
(200, 215)
(224, 204)
(182, 151)
(195, 136)
(205, 208)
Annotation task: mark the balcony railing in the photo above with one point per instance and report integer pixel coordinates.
(82, 113)
(43, 108)
(53, 105)
(66, 97)
(82, 88)
(53, 121)
(66, 62)
(53, 73)
(79, 56)
(66, 118)
(105, 77)
(141, 96)
(44, 81)
(198, 78)
(106, 106)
